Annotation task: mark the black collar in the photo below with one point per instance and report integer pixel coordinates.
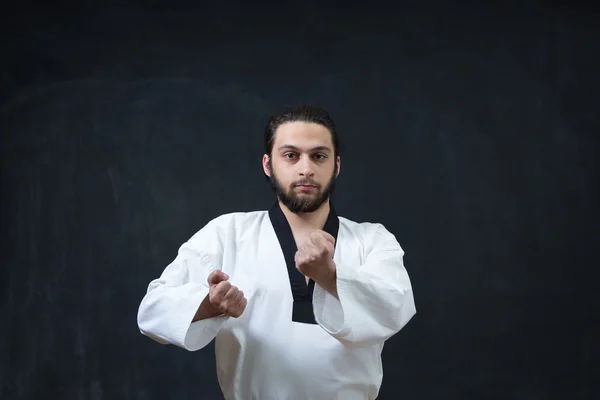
(302, 293)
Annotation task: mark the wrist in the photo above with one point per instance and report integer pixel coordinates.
(206, 310)
(329, 280)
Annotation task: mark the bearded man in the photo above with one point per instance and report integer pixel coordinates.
(298, 299)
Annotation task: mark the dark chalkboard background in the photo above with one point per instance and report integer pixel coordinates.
(470, 132)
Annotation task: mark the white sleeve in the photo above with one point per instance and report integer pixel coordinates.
(375, 299)
(172, 300)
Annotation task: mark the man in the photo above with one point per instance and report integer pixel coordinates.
(298, 299)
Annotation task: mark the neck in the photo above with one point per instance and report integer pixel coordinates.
(305, 221)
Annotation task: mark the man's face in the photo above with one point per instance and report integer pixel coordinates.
(302, 166)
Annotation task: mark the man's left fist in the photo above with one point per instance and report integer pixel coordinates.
(314, 257)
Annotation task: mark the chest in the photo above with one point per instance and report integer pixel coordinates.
(259, 259)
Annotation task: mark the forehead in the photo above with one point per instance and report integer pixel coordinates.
(302, 134)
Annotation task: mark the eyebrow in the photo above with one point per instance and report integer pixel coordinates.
(292, 147)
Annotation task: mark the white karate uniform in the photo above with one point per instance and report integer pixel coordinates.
(294, 341)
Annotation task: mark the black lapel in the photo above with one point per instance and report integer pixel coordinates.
(302, 293)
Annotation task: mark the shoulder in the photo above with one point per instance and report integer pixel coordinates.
(229, 224)
(237, 218)
(376, 230)
(370, 234)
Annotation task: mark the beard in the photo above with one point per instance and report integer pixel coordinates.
(302, 203)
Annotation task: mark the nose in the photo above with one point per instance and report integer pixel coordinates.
(306, 167)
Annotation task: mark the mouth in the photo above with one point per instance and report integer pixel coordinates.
(306, 187)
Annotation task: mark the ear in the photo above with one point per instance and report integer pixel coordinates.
(265, 164)
(337, 161)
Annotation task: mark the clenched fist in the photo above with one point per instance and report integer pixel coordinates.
(225, 297)
(314, 257)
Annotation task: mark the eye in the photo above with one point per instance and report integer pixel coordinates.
(289, 156)
(320, 156)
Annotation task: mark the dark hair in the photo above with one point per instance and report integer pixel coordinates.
(305, 113)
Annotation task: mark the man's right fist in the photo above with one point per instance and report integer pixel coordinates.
(225, 297)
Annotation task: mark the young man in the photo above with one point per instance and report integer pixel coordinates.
(298, 299)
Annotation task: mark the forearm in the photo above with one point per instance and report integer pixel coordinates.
(329, 282)
(365, 308)
(172, 315)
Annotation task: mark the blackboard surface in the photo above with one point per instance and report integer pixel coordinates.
(470, 132)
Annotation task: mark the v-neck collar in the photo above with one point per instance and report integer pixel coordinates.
(301, 291)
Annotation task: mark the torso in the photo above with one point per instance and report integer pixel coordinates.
(264, 346)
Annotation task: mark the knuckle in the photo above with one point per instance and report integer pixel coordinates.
(224, 286)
